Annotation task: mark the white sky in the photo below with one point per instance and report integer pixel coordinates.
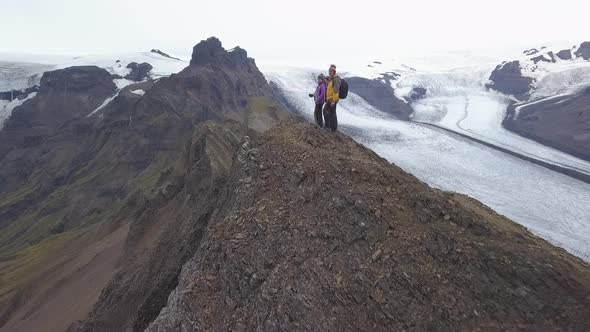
(287, 29)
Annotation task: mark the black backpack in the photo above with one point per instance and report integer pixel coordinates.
(343, 92)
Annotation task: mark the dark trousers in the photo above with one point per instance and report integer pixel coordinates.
(318, 115)
(330, 116)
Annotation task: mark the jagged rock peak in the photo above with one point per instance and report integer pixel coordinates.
(211, 52)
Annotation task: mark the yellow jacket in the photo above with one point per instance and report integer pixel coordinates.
(333, 89)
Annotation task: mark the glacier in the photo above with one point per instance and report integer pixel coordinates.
(551, 205)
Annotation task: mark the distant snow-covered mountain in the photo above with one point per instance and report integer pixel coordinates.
(20, 73)
(551, 88)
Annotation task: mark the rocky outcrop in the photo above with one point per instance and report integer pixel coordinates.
(139, 71)
(417, 93)
(562, 123)
(157, 51)
(320, 233)
(565, 54)
(380, 95)
(583, 51)
(530, 52)
(507, 78)
(211, 53)
(548, 57)
(18, 94)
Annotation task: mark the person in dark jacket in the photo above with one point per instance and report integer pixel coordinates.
(320, 98)
(332, 97)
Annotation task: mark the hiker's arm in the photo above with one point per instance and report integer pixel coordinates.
(336, 88)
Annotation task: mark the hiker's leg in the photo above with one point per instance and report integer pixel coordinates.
(334, 120)
(318, 115)
(327, 115)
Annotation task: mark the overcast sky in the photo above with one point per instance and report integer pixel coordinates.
(277, 29)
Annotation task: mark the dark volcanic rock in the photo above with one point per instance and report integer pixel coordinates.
(157, 51)
(562, 123)
(139, 72)
(380, 95)
(583, 51)
(532, 51)
(565, 54)
(507, 78)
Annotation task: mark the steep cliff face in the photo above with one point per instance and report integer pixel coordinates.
(319, 233)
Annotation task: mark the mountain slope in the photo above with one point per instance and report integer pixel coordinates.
(322, 234)
(79, 178)
(562, 122)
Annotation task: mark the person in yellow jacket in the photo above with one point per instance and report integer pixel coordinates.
(332, 97)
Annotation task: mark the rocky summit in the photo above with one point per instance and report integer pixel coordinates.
(203, 204)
